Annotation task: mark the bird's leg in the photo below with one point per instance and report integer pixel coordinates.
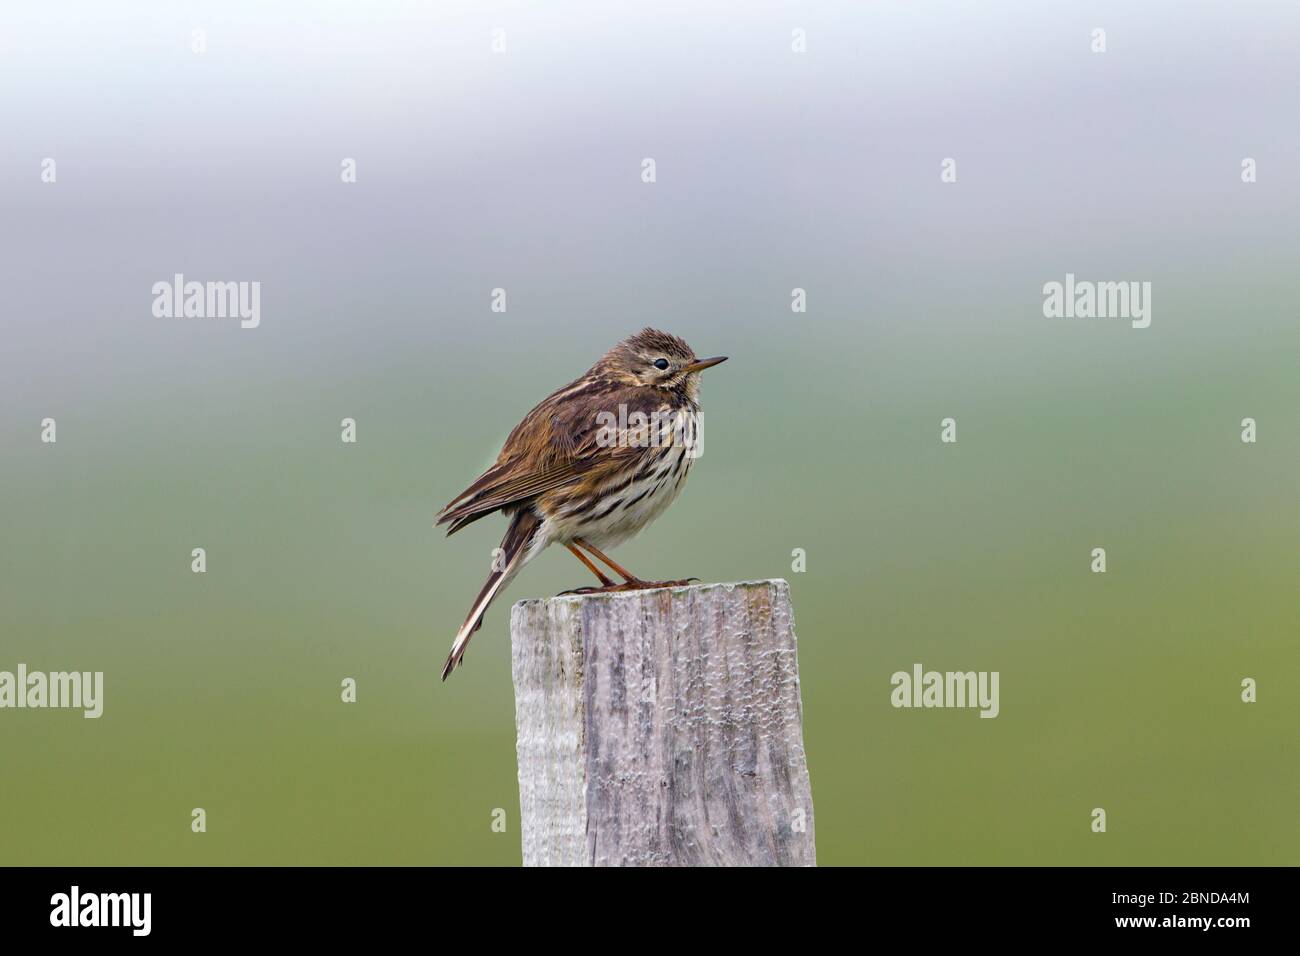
(600, 575)
(618, 569)
(631, 581)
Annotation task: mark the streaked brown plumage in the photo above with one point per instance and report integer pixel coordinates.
(590, 466)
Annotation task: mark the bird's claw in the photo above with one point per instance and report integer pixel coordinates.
(634, 585)
(582, 591)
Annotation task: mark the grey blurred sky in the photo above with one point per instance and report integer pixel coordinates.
(521, 169)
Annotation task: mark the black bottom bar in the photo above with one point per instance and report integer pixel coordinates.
(305, 905)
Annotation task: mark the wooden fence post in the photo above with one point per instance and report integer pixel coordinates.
(661, 728)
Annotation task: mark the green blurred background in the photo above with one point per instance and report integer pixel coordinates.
(1119, 690)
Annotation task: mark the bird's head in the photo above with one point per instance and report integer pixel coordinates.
(655, 359)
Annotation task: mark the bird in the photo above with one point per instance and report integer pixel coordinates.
(590, 466)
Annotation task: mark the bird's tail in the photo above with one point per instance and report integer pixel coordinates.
(514, 548)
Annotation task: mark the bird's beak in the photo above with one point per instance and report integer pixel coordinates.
(702, 364)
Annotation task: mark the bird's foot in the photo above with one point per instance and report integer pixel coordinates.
(647, 585)
(634, 585)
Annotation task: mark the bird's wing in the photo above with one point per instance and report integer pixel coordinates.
(501, 485)
(556, 444)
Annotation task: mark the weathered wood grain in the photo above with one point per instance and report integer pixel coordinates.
(661, 728)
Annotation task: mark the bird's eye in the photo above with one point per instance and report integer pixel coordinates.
(661, 364)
